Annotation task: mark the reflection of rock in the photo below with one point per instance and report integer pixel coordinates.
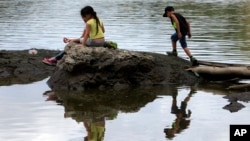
(98, 104)
(83, 68)
(245, 97)
(232, 96)
(216, 88)
(234, 105)
(20, 67)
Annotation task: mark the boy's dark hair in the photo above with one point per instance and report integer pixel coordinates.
(89, 10)
(168, 9)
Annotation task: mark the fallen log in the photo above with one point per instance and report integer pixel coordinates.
(218, 64)
(240, 87)
(221, 73)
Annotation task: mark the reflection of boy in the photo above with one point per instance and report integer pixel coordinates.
(180, 122)
(182, 110)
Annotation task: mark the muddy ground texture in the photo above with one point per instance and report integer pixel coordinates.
(20, 67)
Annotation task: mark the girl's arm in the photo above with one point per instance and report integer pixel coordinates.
(86, 34)
(77, 40)
(83, 33)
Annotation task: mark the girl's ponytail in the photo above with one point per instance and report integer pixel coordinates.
(97, 21)
(89, 10)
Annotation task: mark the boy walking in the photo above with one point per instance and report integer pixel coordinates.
(182, 28)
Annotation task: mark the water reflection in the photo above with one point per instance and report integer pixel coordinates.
(182, 120)
(93, 108)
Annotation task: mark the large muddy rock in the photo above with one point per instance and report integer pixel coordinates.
(83, 67)
(20, 67)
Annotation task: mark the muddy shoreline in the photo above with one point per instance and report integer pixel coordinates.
(20, 67)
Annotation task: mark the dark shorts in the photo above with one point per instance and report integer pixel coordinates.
(182, 40)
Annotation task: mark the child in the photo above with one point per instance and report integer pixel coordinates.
(92, 36)
(182, 28)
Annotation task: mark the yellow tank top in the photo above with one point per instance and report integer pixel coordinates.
(93, 34)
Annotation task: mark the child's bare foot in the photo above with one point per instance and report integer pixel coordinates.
(66, 40)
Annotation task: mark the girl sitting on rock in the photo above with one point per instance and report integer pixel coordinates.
(92, 36)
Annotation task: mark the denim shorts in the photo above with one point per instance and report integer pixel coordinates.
(91, 43)
(182, 40)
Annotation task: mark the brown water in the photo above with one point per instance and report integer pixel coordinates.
(220, 31)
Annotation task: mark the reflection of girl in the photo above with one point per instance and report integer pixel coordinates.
(92, 36)
(95, 130)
